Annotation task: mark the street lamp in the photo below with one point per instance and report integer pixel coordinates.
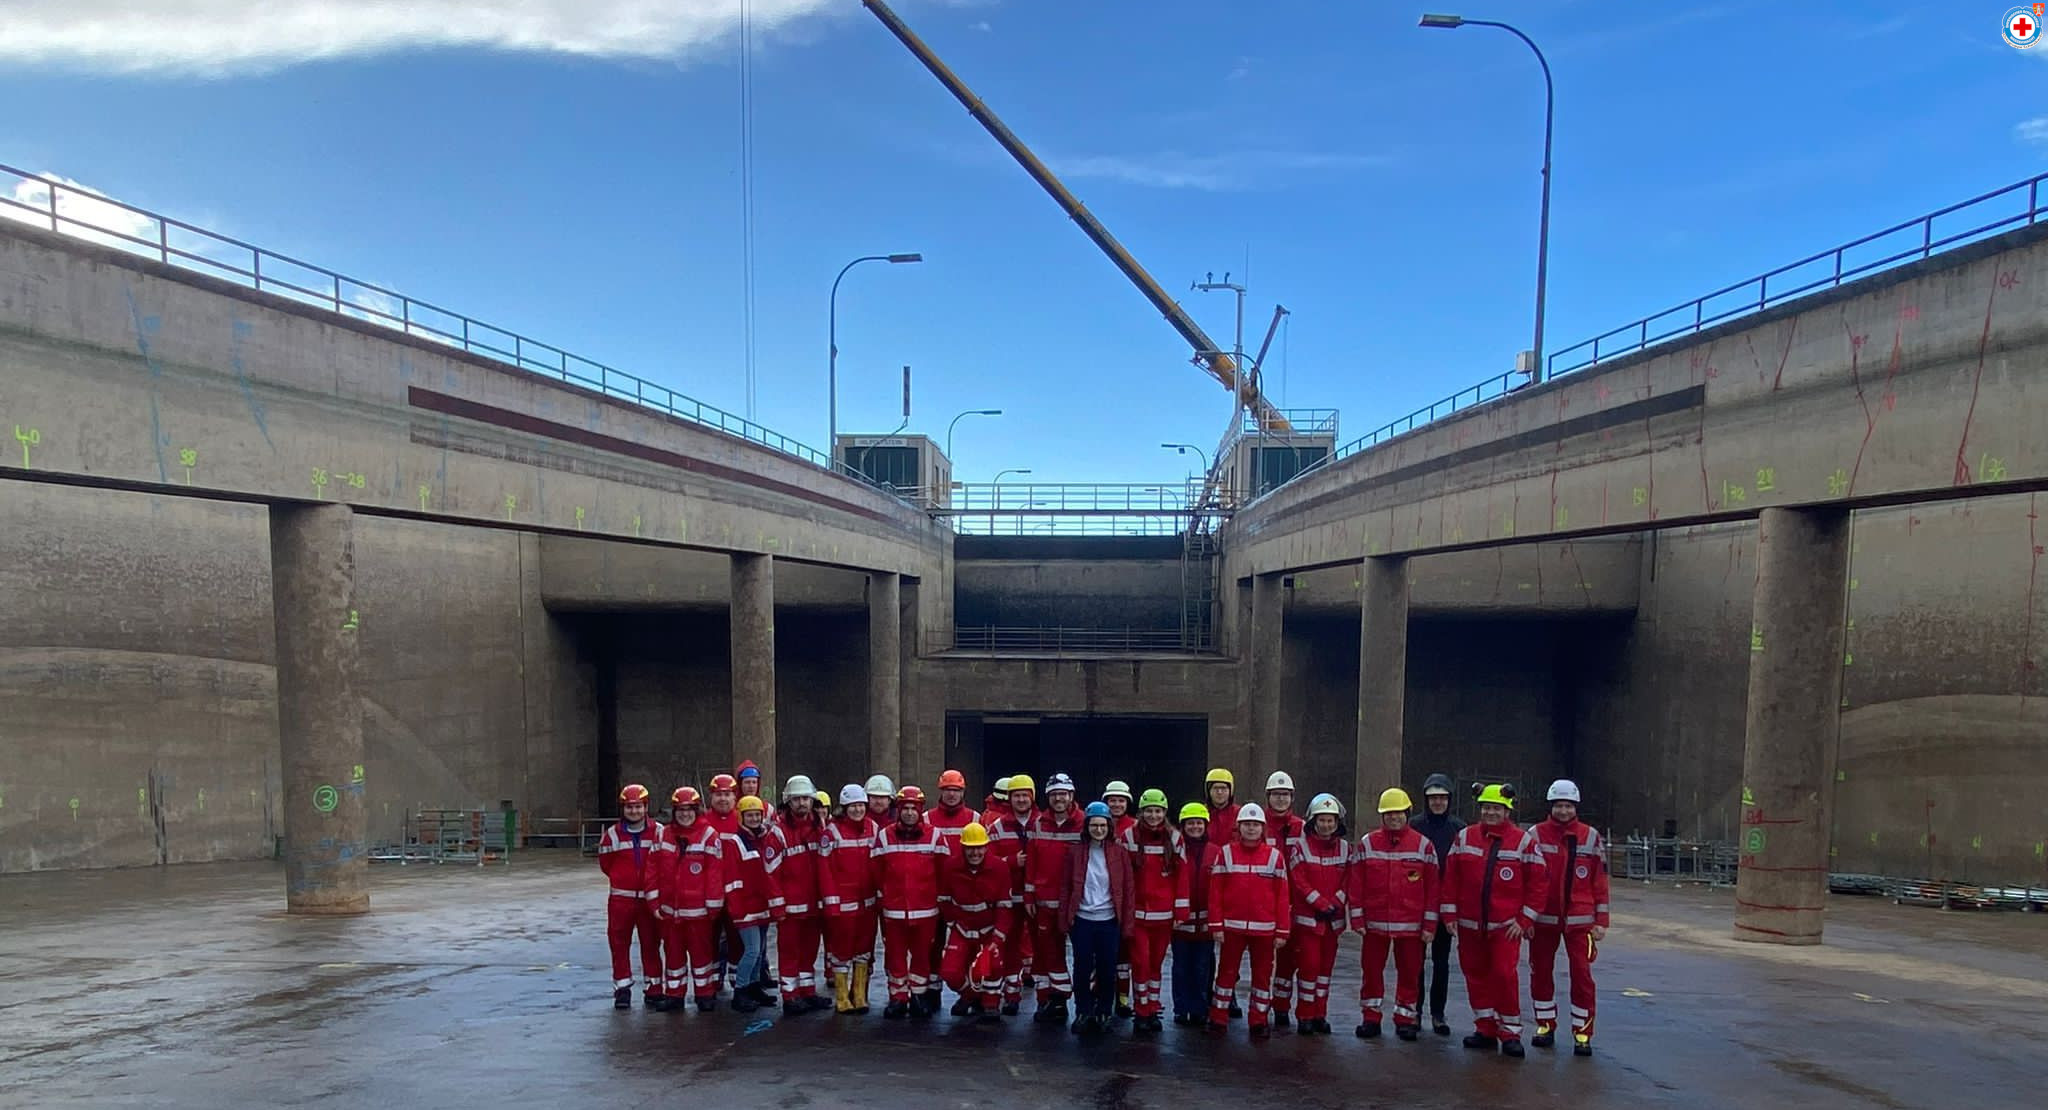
(956, 420)
(995, 495)
(1451, 23)
(832, 371)
(1184, 448)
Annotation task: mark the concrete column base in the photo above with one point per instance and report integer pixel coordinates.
(319, 716)
(885, 674)
(1267, 652)
(753, 665)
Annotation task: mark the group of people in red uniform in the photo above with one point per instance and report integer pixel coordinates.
(989, 904)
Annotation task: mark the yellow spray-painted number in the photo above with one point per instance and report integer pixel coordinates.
(1756, 640)
(636, 524)
(1766, 479)
(354, 620)
(355, 773)
(1639, 496)
(425, 493)
(319, 482)
(511, 504)
(1732, 494)
(1838, 482)
(579, 517)
(1989, 469)
(1564, 517)
(1748, 798)
(1507, 524)
(188, 458)
(74, 809)
(27, 437)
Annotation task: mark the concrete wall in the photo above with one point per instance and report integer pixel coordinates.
(1095, 582)
(135, 677)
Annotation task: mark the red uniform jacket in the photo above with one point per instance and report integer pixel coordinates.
(1494, 875)
(906, 871)
(792, 848)
(751, 894)
(1118, 826)
(1319, 875)
(1049, 844)
(1157, 867)
(636, 870)
(1223, 822)
(1576, 860)
(1395, 884)
(696, 886)
(846, 878)
(950, 824)
(1248, 891)
(1120, 884)
(1283, 829)
(974, 900)
(992, 807)
(726, 823)
(1191, 896)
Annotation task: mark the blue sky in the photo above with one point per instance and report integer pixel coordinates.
(572, 171)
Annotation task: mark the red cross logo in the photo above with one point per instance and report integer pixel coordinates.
(2022, 28)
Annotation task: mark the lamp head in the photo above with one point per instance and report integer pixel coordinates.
(1447, 22)
(913, 256)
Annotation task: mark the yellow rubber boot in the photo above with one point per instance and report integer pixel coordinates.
(842, 992)
(860, 987)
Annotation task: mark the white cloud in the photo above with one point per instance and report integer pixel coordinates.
(220, 37)
(81, 211)
(983, 26)
(2033, 131)
(1238, 170)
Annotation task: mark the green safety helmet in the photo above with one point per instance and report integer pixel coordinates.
(1194, 811)
(1152, 798)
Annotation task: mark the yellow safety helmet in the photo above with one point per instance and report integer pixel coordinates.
(974, 836)
(1499, 794)
(1022, 782)
(1218, 774)
(752, 803)
(1194, 811)
(824, 799)
(1395, 800)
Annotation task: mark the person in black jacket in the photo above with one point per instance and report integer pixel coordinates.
(1441, 826)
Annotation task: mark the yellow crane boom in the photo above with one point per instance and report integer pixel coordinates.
(1219, 363)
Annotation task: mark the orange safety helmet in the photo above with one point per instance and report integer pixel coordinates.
(910, 795)
(633, 792)
(724, 782)
(685, 796)
(953, 778)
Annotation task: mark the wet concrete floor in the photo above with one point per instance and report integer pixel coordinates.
(189, 986)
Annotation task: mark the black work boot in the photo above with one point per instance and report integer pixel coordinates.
(1405, 1032)
(1054, 1012)
(1439, 1026)
(1481, 1040)
(1512, 1046)
(1368, 1030)
(896, 1011)
(962, 1007)
(1544, 1038)
(1582, 1045)
(622, 998)
(743, 1002)
(1009, 1009)
(707, 1003)
(1280, 1019)
(932, 999)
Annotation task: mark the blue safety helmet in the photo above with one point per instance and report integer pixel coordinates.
(1095, 809)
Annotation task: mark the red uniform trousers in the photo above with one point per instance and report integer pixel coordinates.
(796, 954)
(1489, 962)
(624, 917)
(1049, 953)
(692, 956)
(1236, 946)
(849, 939)
(1285, 963)
(1016, 957)
(1315, 956)
(1372, 993)
(907, 954)
(973, 966)
(1148, 944)
(1579, 953)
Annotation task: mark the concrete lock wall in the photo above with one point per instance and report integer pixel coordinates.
(1092, 582)
(136, 679)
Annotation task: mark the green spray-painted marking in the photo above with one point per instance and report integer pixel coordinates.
(325, 798)
(1753, 841)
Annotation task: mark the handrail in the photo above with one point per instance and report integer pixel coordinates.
(362, 300)
(1704, 313)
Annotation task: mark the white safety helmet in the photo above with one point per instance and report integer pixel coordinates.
(798, 786)
(1279, 780)
(1325, 803)
(879, 786)
(851, 793)
(1251, 811)
(1117, 789)
(1060, 782)
(1564, 790)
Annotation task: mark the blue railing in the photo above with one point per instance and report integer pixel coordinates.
(1909, 241)
(80, 212)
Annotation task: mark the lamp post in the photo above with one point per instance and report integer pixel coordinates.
(832, 363)
(1184, 448)
(995, 495)
(1453, 22)
(956, 420)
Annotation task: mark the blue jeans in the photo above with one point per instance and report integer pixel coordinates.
(1095, 945)
(1194, 972)
(753, 939)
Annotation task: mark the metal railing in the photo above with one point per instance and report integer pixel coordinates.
(1912, 240)
(83, 213)
(1301, 422)
(1079, 509)
(1072, 641)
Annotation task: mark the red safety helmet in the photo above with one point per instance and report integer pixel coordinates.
(685, 796)
(633, 792)
(724, 782)
(910, 795)
(953, 778)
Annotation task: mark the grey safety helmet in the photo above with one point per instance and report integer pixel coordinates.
(1438, 783)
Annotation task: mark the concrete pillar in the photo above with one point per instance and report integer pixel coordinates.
(1382, 681)
(1788, 751)
(885, 674)
(920, 749)
(1267, 752)
(753, 665)
(319, 716)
